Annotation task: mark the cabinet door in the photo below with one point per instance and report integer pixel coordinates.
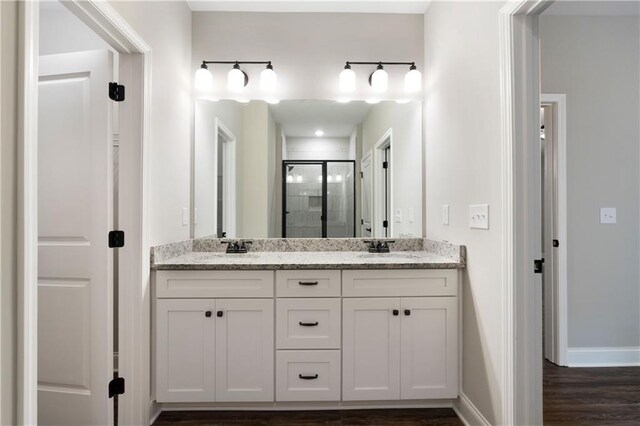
(185, 350)
(429, 355)
(371, 349)
(244, 350)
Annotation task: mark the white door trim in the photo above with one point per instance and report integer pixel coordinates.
(229, 182)
(522, 304)
(561, 306)
(378, 184)
(134, 265)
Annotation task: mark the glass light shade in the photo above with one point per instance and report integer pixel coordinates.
(235, 80)
(330, 178)
(299, 178)
(412, 81)
(347, 80)
(339, 178)
(204, 80)
(289, 178)
(380, 81)
(272, 101)
(268, 80)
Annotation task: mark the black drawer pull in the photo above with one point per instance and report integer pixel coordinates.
(207, 314)
(308, 324)
(219, 314)
(315, 376)
(396, 312)
(308, 282)
(407, 312)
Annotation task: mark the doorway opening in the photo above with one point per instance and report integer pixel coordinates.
(383, 186)
(318, 199)
(226, 181)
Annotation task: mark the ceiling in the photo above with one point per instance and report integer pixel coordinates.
(342, 6)
(594, 8)
(303, 118)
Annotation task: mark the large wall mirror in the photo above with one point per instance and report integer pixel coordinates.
(307, 169)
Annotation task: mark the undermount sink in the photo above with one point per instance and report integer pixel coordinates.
(393, 255)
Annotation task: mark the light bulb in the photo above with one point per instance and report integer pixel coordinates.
(330, 178)
(379, 80)
(204, 79)
(339, 178)
(236, 79)
(347, 79)
(319, 133)
(289, 178)
(412, 80)
(268, 79)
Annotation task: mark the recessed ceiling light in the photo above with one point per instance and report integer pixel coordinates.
(319, 133)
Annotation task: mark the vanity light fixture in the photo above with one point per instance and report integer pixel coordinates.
(339, 178)
(289, 178)
(319, 133)
(299, 178)
(237, 79)
(379, 79)
(329, 178)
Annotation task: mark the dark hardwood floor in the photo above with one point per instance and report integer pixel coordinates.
(405, 417)
(591, 396)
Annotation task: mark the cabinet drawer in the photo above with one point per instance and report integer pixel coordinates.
(308, 376)
(218, 284)
(308, 323)
(400, 282)
(321, 283)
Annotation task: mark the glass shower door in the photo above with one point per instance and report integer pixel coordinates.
(303, 201)
(341, 199)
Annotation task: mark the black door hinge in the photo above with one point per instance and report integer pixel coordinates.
(385, 164)
(116, 92)
(361, 175)
(361, 221)
(556, 243)
(538, 265)
(385, 223)
(116, 387)
(116, 239)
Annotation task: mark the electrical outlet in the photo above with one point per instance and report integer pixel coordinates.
(608, 215)
(445, 214)
(479, 216)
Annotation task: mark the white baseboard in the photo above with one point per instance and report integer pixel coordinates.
(468, 412)
(603, 357)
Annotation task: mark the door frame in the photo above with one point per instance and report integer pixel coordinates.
(134, 274)
(386, 141)
(368, 157)
(520, 125)
(229, 178)
(559, 308)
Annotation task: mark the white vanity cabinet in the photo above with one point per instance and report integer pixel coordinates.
(306, 336)
(215, 349)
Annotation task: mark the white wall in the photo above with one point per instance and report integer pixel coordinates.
(308, 50)
(166, 27)
(8, 212)
(595, 61)
(205, 159)
(61, 32)
(463, 151)
(405, 120)
(318, 148)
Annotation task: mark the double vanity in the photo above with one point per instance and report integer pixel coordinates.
(306, 323)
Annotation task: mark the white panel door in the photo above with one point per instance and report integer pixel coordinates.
(429, 361)
(366, 200)
(185, 353)
(244, 350)
(75, 214)
(371, 349)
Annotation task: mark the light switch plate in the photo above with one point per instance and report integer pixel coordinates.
(445, 214)
(185, 216)
(608, 215)
(411, 215)
(479, 216)
(398, 215)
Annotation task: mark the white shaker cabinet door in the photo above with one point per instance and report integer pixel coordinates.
(185, 339)
(244, 350)
(371, 349)
(429, 348)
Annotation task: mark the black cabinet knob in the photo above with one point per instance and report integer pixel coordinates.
(407, 312)
(396, 312)
(219, 314)
(207, 314)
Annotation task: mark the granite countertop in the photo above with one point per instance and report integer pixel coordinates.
(308, 260)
